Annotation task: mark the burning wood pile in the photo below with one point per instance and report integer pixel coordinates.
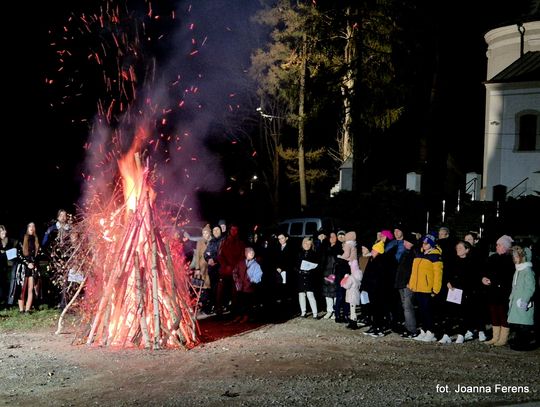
(137, 290)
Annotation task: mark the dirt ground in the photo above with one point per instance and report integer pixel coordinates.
(301, 362)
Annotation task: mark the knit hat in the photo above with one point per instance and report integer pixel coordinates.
(389, 235)
(410, 237)
(505, 241)
(341, 232)
(401, 226)
(429, 239)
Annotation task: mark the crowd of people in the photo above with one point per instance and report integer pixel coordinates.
(427, 288)
(24, 263)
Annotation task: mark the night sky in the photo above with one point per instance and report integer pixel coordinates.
(43, 156)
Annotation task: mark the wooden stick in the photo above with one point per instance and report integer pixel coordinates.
(154, 275)
(66, 308)
(141, 311)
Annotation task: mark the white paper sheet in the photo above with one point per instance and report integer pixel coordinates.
(307, 265)
(454, 295)
(11, 254)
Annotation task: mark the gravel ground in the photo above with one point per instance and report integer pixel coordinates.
(301, 362)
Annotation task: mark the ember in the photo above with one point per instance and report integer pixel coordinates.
(137, 289)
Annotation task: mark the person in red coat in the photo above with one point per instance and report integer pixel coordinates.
(246, 275)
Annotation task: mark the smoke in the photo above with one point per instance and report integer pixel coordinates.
(180, 78)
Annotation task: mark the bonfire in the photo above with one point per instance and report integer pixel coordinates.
(137, 291)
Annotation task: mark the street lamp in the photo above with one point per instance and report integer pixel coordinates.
(253, 179)
(266, 116)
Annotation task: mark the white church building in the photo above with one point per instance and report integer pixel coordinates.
(512, 121)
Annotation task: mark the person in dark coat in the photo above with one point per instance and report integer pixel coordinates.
(211, 256)
(497, 278)
(378, 282)
(284, 274)
(333, 250)
(461, 276)
(6, 243)
(403, 274)
(306, 268)
(27, 274)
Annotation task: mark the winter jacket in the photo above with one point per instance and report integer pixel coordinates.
(499, 269)
(330, 260)
(200, 263)
(231, 252)
(246, 274)
(351, 283)
(349, 247)
(427, 271)
(404, 269)
(306, 278)
(521, 309)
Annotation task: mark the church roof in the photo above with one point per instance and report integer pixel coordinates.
(524, 69)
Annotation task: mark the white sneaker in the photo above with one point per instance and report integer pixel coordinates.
(461, 338)
(430, 337)
(420, 336)
(445, 339)
(481, 336)
(468, 336)
(328, 315)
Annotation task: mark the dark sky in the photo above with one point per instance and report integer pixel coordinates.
(43, 156)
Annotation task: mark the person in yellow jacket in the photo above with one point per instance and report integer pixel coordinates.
(425, 282)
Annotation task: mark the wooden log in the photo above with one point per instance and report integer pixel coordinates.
(185, 308)
(154, 275)
(141, 311)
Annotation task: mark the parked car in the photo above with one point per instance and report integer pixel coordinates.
(305, 227)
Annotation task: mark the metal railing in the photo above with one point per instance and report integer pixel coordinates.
(470, 188)
(511, 192)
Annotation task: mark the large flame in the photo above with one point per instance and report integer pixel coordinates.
(132, 172)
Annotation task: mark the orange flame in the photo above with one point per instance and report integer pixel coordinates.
(132, 172)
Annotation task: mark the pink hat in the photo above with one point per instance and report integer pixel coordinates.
(389, 235)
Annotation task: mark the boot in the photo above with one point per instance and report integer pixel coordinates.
(352, 324)
(496, 334)
(503, 337)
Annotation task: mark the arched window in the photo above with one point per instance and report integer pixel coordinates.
(528, 132)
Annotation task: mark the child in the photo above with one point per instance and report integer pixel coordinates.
(351, 282)
(246, 275)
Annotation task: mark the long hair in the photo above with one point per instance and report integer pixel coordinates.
(26, 244)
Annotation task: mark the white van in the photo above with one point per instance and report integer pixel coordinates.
(305, 227)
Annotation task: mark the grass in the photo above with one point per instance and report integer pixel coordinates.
(13, 320)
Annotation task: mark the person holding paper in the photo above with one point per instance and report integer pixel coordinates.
(284, 257)
(26, 271)
(7, 247)
(461, 286)
(307, 265)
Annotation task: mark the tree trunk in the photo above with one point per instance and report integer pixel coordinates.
(301, 127)
(347, 88)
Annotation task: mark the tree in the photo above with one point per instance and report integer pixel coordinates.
(370, 96)
(284, 67)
